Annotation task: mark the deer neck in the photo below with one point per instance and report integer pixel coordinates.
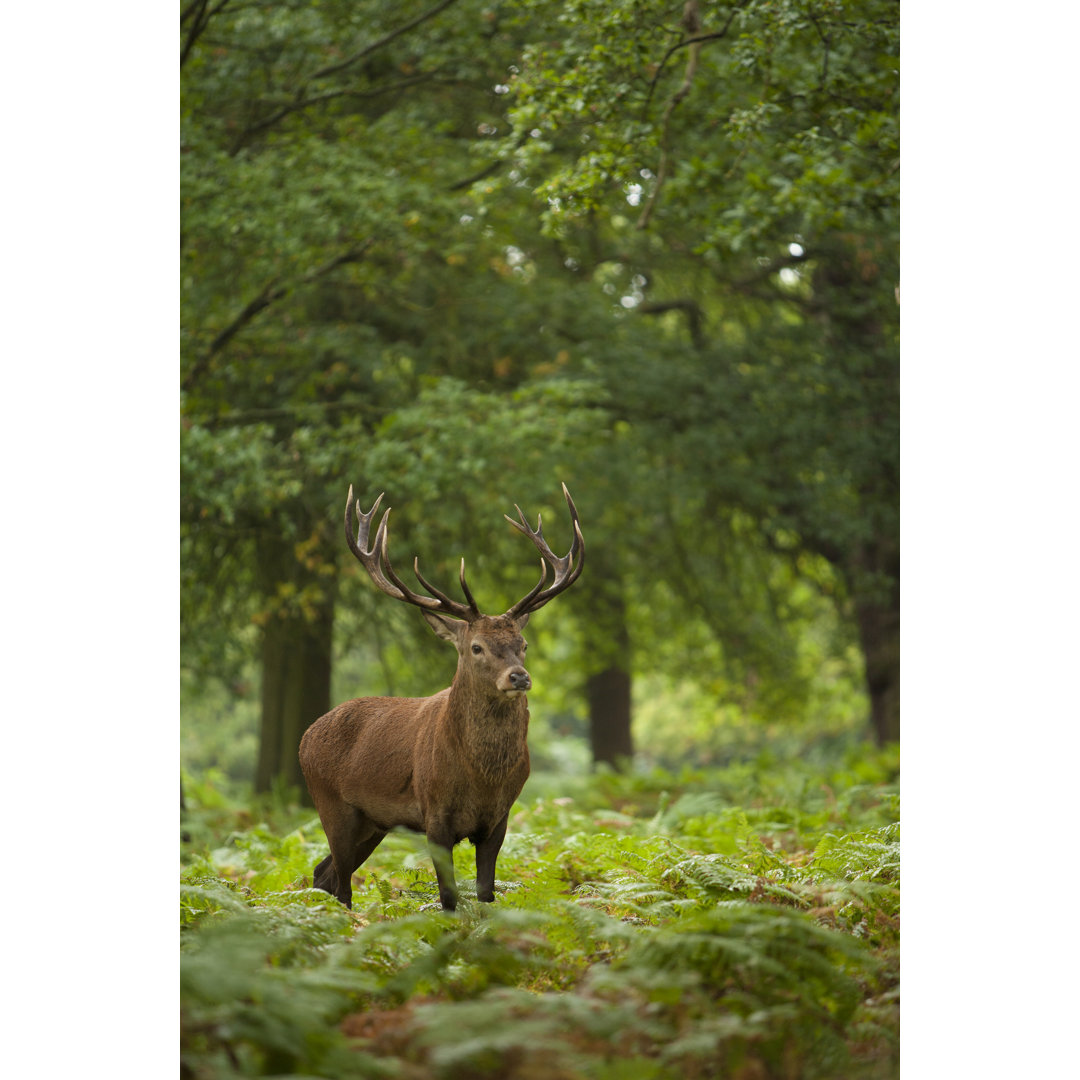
(491, 730)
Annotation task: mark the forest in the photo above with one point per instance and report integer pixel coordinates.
(464, 252)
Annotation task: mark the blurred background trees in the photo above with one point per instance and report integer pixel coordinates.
(462, 251)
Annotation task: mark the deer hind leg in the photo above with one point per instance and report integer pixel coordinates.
(323, 876)
(360, 851)
(352, 837)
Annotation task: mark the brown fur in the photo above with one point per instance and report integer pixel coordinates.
(449, 766)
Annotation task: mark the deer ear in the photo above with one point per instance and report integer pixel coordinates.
(521, 620)
(448, 629)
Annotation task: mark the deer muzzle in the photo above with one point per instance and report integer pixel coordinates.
(515, 681)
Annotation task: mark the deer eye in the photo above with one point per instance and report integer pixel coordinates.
(477, 650)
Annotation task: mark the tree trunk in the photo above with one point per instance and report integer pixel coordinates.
(608, 682)
(296, 662)
(609, 717)
(879, 634)
(296, 657)
(849, 281)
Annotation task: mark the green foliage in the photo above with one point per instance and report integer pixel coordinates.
(732, 172)
(735, 921)
(788, 105)
(465, 251)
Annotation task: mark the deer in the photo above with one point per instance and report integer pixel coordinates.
(449, 766)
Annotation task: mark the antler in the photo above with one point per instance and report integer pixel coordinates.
(376, 556)
(566, 571)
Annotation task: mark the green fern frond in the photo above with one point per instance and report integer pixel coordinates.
(872, 856)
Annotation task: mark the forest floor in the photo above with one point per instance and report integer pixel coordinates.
(739, 922)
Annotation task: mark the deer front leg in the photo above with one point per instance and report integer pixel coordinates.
(441, 847)
(487, 851)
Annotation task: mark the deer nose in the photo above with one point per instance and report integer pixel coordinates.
(519, 680)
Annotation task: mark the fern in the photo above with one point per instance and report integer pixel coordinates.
(869, 856)
(743, 921)
(254, 997)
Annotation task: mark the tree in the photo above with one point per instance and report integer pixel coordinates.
(733, 172)
(334, 277)
(315, 207)
(694, 324)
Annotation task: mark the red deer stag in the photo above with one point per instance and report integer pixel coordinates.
(449, 766)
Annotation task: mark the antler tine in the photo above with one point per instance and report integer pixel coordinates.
(566, 569)
(368, 555)
(523, 604)
(374, 556)
(466, 611)
(465, 588)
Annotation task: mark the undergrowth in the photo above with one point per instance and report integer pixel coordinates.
(740, 922)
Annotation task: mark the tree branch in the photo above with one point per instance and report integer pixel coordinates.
(197, 11)
(826, 40)
(686, 43)
(243, 417)
(483, 174)
(301, 102)
(487, 170)
(423, 17)
(270, 293)
(691, 22)
(693, 312)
